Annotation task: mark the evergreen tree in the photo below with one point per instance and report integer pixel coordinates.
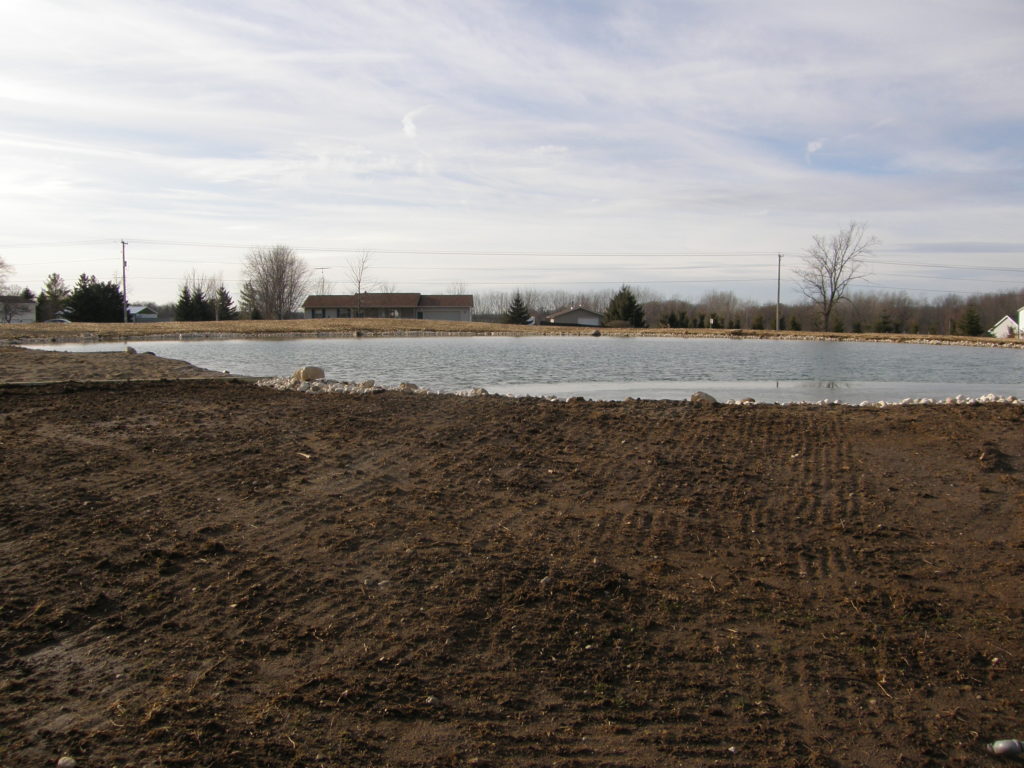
(184, 310)
(758, 324)
(970, 322)
(249, 302)
(624, 309)
(794, 324)
(95, 302)
(224, 305)
(202, 305)
(884, 324)
(517, 313)
(674, 320)
(53, 297)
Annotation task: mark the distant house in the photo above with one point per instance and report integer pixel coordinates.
(17, 309)
(574, 316)
(140, 313)
(410, 306)
(1008, 328)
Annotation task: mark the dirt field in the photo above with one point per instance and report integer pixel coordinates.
(206, 573)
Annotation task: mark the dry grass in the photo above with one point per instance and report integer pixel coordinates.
(57, 332)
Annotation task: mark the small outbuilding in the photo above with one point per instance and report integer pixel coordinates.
(140, 313)
(17, 309)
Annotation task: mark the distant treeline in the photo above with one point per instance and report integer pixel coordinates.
(865, 312)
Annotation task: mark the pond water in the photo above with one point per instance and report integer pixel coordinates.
(613, 368)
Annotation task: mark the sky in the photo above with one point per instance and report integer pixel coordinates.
(676, 146)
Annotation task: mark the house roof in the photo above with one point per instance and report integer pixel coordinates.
(17, 299)
(138, 309)
(440, 300)
(570, 310)
(1005, 320)
(386, 301)
(389, 300)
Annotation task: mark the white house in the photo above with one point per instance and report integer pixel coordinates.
(1008, 328)
(140, 313)
(17, 309)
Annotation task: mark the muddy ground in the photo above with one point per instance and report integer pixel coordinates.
(206, 573)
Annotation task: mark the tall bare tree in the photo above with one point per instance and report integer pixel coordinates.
(5, 271)
(358, 271)
(279, 280)
(831, 264)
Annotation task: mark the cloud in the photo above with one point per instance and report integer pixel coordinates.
(812, 147)
(408, 124)
(684, 119)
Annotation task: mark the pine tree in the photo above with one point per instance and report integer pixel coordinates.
(250, 301)
(225, 305)
(53, 297)
(202, 305)
(184, 310)
(517, 313)
(95, 302)
(625, 309)
(970, 322)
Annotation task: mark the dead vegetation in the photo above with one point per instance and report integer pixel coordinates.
(105, 332)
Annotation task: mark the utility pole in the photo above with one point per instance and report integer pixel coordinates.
(124, 281)
(778, 294)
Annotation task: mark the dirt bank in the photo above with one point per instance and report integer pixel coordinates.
(206, 573)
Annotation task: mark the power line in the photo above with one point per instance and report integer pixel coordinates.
(60, 244)
(682, 254)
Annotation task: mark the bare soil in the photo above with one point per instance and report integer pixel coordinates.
(206, 573)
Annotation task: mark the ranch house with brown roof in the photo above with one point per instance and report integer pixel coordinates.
(410, 306)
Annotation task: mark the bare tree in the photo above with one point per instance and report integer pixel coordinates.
(831, 264)
(279, 280)
(358, 275)
(457, 288)
(358, 271)
(5, 272)
(322, 286)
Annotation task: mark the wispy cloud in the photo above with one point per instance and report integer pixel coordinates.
(724, 126)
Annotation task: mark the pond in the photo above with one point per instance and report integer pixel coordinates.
(613, 368)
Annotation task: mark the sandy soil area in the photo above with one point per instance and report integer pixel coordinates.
(207, 573)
